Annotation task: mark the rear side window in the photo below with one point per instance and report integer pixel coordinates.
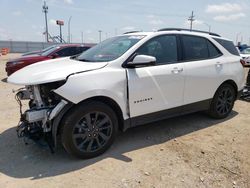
(194, 48)
(213, 51)
(228, 45)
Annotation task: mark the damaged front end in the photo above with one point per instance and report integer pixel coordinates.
(37, 122)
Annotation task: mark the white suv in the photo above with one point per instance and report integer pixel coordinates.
(125, 81)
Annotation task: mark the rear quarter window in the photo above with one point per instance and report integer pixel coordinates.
(228, 45)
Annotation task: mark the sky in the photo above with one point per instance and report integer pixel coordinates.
(23, 20)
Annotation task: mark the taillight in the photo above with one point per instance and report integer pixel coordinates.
(243, 63)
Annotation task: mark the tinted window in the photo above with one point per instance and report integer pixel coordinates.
(228, 45)
(82, 49)
(163, 48)
(68, 51)
(195, 48)
(213, 51)
(110, 49)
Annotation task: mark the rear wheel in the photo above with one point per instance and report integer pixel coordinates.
(223, 102)
(89, 129)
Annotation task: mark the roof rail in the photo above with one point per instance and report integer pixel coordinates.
(180, 29)
(131, 32)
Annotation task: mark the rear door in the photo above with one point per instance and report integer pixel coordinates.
(204, 66)
(160, 87)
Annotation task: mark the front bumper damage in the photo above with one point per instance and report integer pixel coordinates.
(36, 123)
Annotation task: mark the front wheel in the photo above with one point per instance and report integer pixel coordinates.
(223, 102)
(89, 129)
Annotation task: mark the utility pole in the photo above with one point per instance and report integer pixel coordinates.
(82, 36)
(60, 33)
(100, 35)
(69, 29)
(237, 37)
(45, 10)
(191, 19)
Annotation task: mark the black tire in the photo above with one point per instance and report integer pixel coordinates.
(248, 78)
(89, 129)
(222, 102)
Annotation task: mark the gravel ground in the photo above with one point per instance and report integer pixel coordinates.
(187, 151)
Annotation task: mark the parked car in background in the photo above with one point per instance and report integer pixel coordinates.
(242, 47)
(62, 50)
(39, 51)
(245, 54)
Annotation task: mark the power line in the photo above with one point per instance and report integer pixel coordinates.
(191, 19)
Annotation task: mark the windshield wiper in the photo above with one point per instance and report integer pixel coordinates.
(85, 60)
(74, 56)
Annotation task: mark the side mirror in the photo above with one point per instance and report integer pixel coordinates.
(142, 60)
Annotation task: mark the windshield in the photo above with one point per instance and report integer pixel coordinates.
(110, 49)
(246, 51)
(46, 53)
(48, 48)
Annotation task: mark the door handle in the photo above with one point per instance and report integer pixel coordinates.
(177, 70)
(218, 64)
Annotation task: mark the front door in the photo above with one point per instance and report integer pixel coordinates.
(160, 87)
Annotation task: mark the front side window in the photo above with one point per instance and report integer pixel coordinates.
(110, 49)
(163, 48)
(194, 48)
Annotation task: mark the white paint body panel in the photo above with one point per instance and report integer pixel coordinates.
(204, 77)
(161, 86)
(197, 80)
(50, 71)
(110, 82)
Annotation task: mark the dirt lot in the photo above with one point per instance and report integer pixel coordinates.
(188, 151)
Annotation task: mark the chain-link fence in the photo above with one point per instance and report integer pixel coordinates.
(26, 46)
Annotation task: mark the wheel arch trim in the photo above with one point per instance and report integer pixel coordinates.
(123, 124)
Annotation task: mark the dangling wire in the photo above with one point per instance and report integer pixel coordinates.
(19, 103)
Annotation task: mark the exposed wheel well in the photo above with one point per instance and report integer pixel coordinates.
(112, 104)
(232, 83)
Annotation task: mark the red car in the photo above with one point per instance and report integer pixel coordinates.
(63, 50)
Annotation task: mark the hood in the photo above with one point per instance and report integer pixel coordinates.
(27, 58)
(51, 71)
